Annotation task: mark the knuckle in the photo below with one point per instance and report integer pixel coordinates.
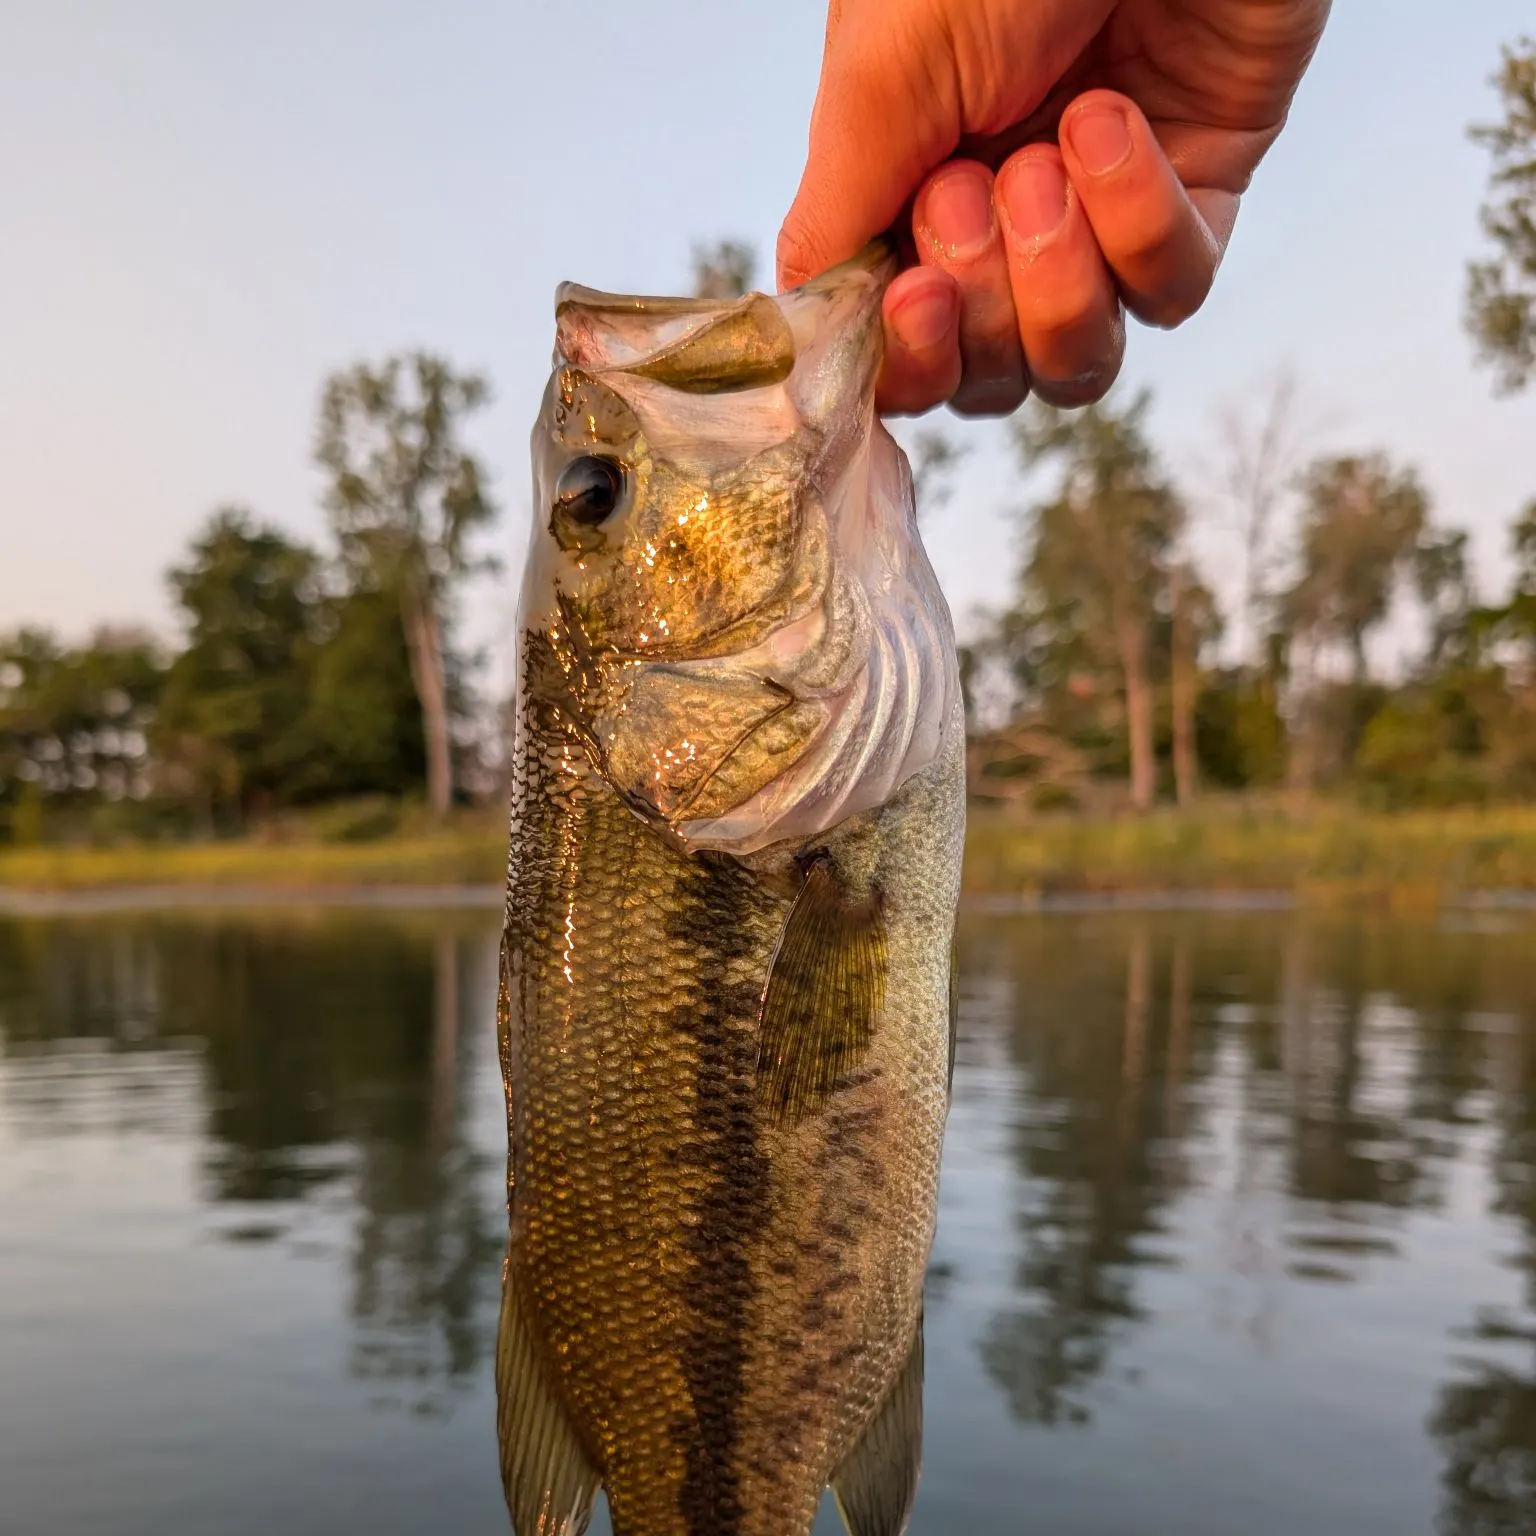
(988, 397)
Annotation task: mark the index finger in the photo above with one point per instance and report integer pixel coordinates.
(856, 181)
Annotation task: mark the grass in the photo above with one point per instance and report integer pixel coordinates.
(1321, 854)
(1324, 854)
(468, 853)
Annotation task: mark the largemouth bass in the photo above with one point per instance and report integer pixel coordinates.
(726, 1011)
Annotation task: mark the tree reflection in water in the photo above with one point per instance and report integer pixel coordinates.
(1093, 1149)
(1485, 1419)
(1313, 1088)
(335, 1055)
(1356, 1062)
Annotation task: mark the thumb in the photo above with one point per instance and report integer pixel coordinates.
(875, 134)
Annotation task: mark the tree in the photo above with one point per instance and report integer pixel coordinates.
(73, 723)
(1361, 522)
(1098, 554)
(1522, 538)
(1443, 577)
(1258, 454)
(1501, 290)
(230, 718)
(724, 270)
(363, 730)
(1194, 621)
(405, 498)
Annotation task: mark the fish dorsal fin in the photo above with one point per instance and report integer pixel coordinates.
(826, 987)
(548, 1481)
(877, 1481)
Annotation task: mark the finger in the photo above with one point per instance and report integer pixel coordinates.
(1068, 308)
(957, 232)
(856, 181)
(921, 312)
(1162, 242)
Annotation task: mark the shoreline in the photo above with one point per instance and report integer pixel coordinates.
(487, 898)
(1230, 856)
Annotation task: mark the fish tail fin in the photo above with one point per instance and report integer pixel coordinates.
(877, 1482)
(548, 1480)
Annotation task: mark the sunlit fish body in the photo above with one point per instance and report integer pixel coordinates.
(726, 1013)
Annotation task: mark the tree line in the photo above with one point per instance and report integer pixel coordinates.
(309, 675)
(1107, 666)
(303, 675)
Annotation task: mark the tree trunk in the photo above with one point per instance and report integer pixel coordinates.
(1185, 769)
(1138, 715)
(424, 647)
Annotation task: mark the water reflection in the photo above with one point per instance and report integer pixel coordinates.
(328, 1062)
(1283, 1104)
(1485, 1421)
(1238, 1226)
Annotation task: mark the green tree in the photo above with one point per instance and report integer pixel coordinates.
(1501, 290)
(406, 497)
(73, 723)
(231, 715)
(363, 731)
(1361, 522)
(1442, 574)
(1097, 561)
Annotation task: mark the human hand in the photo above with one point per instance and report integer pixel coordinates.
(1064, 161)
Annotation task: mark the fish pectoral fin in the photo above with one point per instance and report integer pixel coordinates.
(826, 987)
(547, 1478)
(877, 1482)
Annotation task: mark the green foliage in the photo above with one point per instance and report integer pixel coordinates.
(1501, 290)
(284, 693)
(362, 728)
(1239, 734)
(229, 722)
(406, 497)
(1098, 550)
(1362, 521)
(1425, 746)
(73, 728)
(1100, 571)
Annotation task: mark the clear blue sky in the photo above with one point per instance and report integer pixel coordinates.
(204, 207)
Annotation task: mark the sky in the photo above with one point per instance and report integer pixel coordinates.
(206, 208)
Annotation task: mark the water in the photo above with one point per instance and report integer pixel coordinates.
(1238, 1228)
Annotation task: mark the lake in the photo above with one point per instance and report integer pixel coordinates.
(1238, 1226)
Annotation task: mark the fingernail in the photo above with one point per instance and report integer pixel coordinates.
(1101, 139)
(957, 213)
(788, 261)
(1034, 195)
(926, 318)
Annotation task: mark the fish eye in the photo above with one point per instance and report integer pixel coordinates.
(589, 489)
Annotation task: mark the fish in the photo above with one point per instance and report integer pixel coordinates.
(726, 1007)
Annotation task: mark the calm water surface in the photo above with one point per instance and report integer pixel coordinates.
(1238, 1229)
